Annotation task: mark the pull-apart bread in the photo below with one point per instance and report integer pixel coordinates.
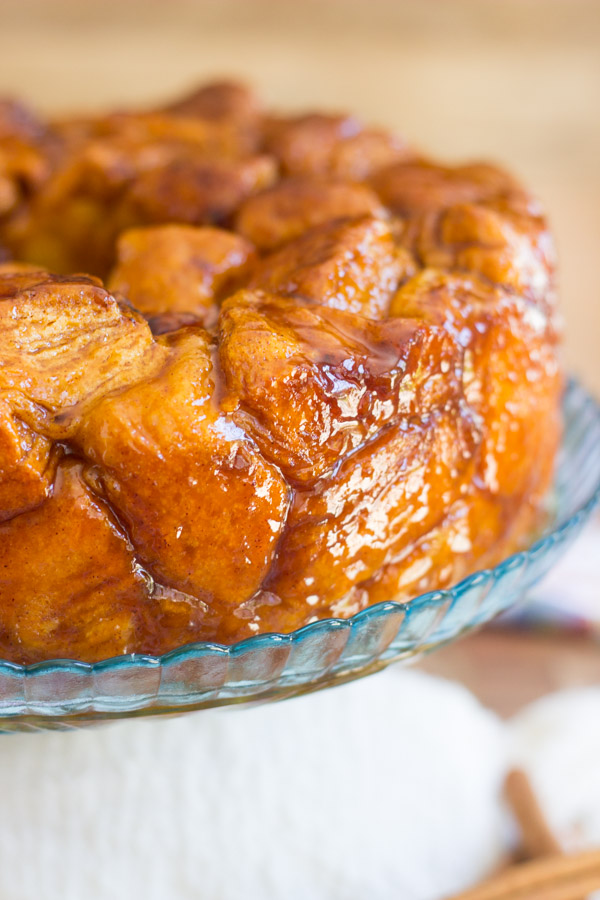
(307, 369)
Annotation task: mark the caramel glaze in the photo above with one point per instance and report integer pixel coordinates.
(323, 374)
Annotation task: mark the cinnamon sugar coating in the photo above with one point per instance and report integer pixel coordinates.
(307, 370)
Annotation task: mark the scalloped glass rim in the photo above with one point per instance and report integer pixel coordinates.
(62, 692)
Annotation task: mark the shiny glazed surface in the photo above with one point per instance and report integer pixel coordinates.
(323, 373)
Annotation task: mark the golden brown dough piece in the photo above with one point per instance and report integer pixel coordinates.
(502, 334)
(61, 342)
(311, 385)
(340, 146)
(26, 469)
(69, 571)
(327, 374)
(475, 218)
(26, 154)
(229, 103)
(203, 509)
(64, 340)
(354, 266)
(389, 489)
(197, 191)
(220, 100)
(180, 269)
(295, 205)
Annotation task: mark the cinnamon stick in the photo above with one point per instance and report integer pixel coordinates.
(537, 838)
(551, 878)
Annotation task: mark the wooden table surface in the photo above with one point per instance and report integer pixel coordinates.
(506, 670)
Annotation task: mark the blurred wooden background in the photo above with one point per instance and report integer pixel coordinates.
(518, 80)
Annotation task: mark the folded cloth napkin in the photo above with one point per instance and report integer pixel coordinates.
(557, 741)
(386, 788)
